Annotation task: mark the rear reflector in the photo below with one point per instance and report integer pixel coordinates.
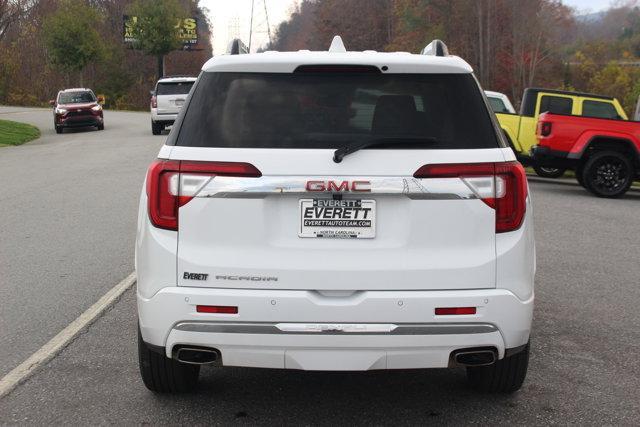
(447, 311)
(220, 309)
(502, 186)
(172, 184)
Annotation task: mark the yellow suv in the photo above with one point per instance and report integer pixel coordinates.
(520, 130)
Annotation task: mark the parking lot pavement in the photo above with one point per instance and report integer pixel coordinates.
(67, 222)
(584, 368)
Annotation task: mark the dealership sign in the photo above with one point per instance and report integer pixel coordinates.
(187, 30)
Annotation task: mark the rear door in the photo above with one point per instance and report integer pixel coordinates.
(307, 222)
(171, 96)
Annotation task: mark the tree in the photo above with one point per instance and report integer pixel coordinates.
(11, 11)
(154, 27)
(71, 37)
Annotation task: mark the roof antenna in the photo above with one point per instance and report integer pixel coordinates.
(337, 45)
(436, 48)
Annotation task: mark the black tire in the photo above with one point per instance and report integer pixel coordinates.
(547, 172)
(163, 375)
(608, 174)
(156, 128)
(101, 127)
(58, 129)
(504, 376)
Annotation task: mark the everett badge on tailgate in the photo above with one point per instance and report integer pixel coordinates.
(195, 276)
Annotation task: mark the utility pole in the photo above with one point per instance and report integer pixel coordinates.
(266, 14)
(251, 24)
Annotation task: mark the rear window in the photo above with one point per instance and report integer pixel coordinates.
(497, 105)
(174, 88)
(327, 110)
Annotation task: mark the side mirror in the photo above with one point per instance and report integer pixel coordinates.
(152, 92)
(52, 102)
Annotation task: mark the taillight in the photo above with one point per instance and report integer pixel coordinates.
(172, 184)
(154, 102)
(511, 198)
(502, 186)
(544, 128)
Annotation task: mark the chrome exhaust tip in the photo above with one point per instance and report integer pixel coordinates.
(197, 355)
(475, 357)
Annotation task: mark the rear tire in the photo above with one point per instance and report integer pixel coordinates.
(546, 172)
(156, 128)
(163, 375)
(608, 174)
(504, 376)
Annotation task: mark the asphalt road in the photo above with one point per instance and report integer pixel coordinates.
(67, 222)
(585, 343)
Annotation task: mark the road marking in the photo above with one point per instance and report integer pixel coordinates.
(64, 337)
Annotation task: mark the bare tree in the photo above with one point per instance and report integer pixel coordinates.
(11, 11)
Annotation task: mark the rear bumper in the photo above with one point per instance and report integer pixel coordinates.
(545, 156)
(166, 118)
(361, 331)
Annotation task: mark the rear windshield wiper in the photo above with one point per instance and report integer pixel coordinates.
(341, 152)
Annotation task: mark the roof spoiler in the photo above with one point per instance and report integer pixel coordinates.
(178, 76)
(436, 48)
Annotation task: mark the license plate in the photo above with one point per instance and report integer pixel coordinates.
(337, 219)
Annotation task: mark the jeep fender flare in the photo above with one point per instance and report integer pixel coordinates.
(588, 138)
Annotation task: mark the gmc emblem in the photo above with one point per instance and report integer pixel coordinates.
(354, 186)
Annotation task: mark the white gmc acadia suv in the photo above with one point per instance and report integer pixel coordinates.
(335, 211)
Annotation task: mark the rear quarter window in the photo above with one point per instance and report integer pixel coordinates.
(602, 110)
(325, 110)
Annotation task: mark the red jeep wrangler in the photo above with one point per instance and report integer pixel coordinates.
(604, 153)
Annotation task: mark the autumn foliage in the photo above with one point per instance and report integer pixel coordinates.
(511, 44)
(32, 71)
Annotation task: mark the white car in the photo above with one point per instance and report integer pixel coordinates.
(167, 99)
(499, 102)
(335, 211)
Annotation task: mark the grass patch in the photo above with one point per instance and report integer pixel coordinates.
(14, 133)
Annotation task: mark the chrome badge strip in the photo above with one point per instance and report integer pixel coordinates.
(413, 188)
(338, 328)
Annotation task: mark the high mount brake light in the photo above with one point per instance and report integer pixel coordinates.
(502, 186)
(172, 184)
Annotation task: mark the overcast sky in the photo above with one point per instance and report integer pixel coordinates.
(590, 5)
(224, 13)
